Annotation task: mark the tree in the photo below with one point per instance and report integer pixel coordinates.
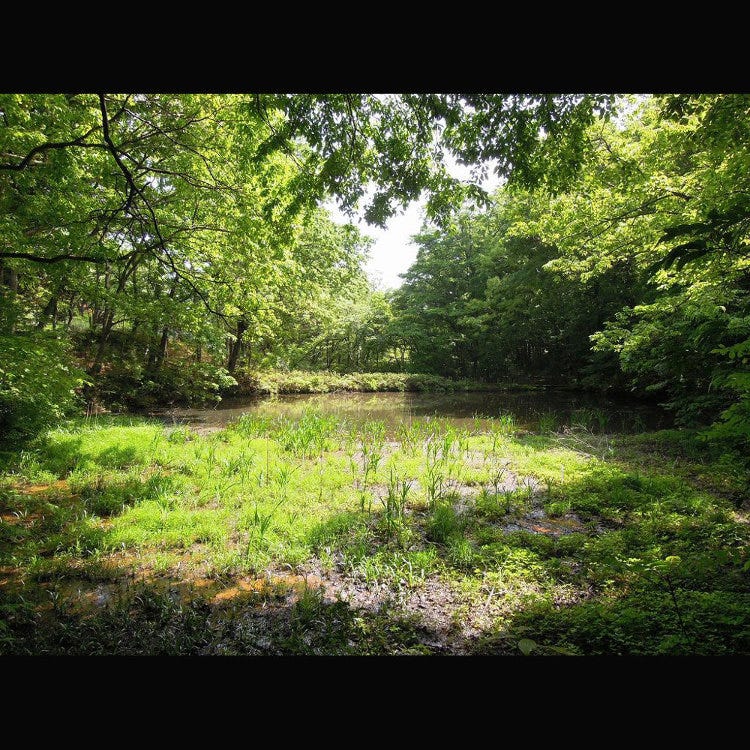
(636, 274)
(436, 306)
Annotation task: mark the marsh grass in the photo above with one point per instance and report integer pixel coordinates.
(412, 436)
(394, 502)
(589, 419)
(548, 422)
(444, 523)
(308, 436)
(371, 444)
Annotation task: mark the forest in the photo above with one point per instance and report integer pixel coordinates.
(537, 444)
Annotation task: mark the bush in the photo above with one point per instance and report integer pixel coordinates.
(38, 383)
(126, 385)
(300, 381)
(188, 383)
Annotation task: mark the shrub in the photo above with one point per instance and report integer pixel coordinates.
(38, 383)
(300, 381)
(189, 383)
(126, 385)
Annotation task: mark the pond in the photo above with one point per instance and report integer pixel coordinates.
(530, 410)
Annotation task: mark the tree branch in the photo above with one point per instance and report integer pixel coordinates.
(56, 258)
(132, 188)
(20, 166)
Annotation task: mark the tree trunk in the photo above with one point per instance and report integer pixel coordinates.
(109, 315)
(161, 351)
(236, 346)
(96, 366)
(71, 310)
(9, 278)
(50, 310)
(151, 349)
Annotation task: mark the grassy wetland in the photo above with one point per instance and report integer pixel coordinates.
(312, 533)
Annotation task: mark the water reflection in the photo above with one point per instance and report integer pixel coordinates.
(530, 409)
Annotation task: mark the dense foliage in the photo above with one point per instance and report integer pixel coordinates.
(171, 238)
(305, 381)
(146, 231)
(37, 383)
(636, 276)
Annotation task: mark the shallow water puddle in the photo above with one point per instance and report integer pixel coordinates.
(86, 596)
(538, 522)
(289, 587)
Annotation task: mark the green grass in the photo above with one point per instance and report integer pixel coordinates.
(578, 542)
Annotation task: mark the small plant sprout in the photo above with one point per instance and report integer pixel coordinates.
(497, 473)
(283, 478)
(394, 502)
(434, 482)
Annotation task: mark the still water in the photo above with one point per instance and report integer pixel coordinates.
(553, 409)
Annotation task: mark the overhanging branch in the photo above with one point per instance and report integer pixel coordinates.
(57, 258)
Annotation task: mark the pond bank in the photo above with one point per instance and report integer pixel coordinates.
(265, 382)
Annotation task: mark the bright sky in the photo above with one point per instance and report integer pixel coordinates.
(393, 253)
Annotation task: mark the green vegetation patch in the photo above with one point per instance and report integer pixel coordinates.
(435, 540)
(301, 381)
